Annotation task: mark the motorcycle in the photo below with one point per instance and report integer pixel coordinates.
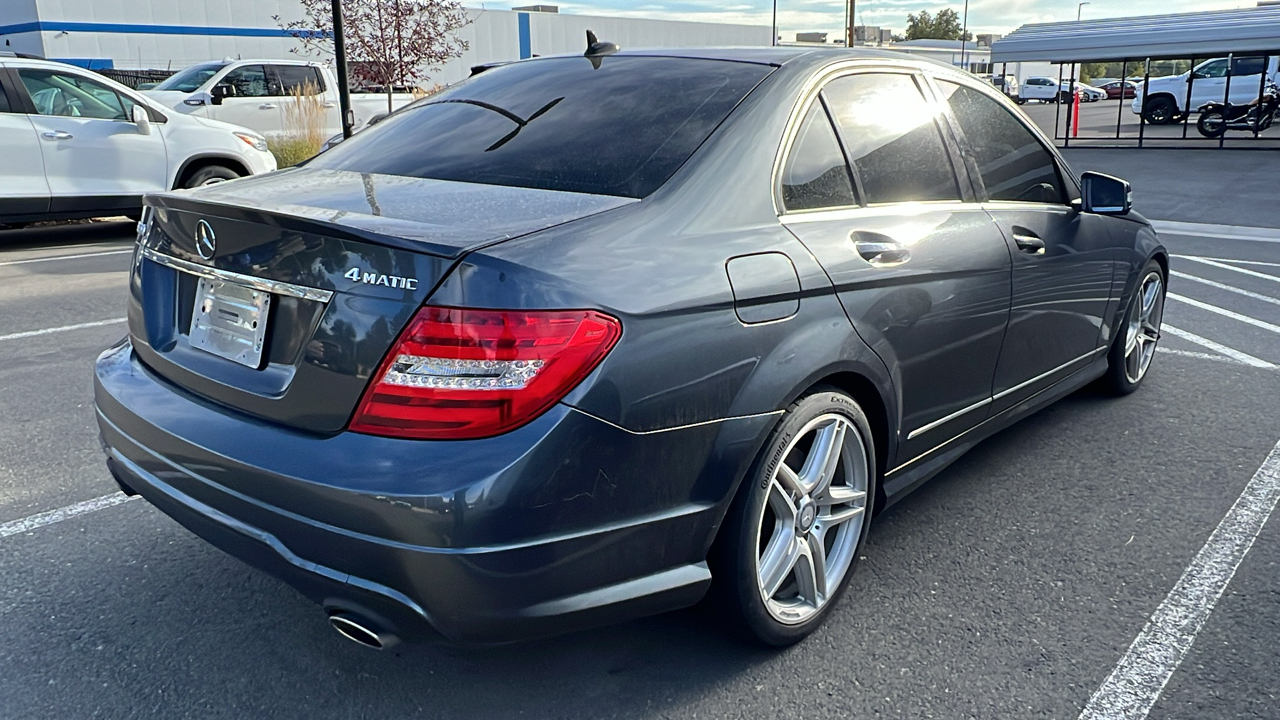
(1217, 118)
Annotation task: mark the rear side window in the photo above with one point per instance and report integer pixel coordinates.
(815, 174)
(300, 78)
(251, 81)
(621, 128)
(1014, 165)
(4, 101)
(1248, 66)
(892, 136)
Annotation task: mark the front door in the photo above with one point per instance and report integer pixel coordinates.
(922, 273)
(254, 101)
(23, 188)
(1063, 260)
(89, 144)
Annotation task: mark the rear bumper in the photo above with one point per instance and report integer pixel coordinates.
(565, 523)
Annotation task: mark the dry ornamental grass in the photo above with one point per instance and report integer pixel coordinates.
(304, 127)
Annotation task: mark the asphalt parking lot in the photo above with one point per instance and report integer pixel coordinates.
(1011, 586)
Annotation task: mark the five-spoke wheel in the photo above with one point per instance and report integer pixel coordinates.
(1135, 343)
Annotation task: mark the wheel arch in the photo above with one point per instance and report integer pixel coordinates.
(196, 162)
(864, 392)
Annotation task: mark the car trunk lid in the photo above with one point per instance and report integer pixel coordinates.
(305, 279)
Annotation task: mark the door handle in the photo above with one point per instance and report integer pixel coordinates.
(1028, 243)
(330, 105)
(266, 106)
(57, 135)
(880, 250)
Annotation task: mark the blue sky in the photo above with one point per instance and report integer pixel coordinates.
(999, 16)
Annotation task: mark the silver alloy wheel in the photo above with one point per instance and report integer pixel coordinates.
(1143, 330)
(811, 523)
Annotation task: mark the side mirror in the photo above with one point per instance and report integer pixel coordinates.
(219, 92)
(142, 119)
(1105, 195)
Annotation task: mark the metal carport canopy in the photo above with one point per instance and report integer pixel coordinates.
(1199, 34)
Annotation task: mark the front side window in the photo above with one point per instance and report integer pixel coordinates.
(1014, 165)
(1212, 69)
(618, 125)
(815, 174)
(67, 95)
(1248, 66)
(249, 81)
(891, 134)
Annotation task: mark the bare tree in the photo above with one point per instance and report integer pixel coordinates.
(389, 42)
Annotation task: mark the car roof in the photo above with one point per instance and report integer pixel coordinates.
(782, 54)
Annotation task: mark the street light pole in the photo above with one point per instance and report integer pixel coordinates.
(340, 67)
(964, 38)
(773, 39)
(849, 22)
(1079, 8)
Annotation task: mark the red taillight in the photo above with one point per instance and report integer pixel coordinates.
(456, 373)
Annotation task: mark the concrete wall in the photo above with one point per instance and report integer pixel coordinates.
(176, 33)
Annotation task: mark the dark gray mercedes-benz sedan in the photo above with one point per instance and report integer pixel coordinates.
(587, 338)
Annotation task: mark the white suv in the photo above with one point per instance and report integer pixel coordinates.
(76, 144)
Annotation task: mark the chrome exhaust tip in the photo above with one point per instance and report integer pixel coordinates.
(361, 632)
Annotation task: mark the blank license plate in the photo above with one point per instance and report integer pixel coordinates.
(230, 321)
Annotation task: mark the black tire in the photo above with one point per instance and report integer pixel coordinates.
(1160, 110)
(1020, 101)
(208, 175)
(1119, 378)
(1212, 124)
(736, 555)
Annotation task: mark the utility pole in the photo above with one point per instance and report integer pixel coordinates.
(964, 38)
(340, 67)
(1079, 8)
(850, 14)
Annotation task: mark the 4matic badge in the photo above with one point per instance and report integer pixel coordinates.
(373, 278)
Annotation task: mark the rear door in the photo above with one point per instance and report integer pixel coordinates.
(23, 188)
(921, 270)
(305, 104)
(1063, 260)
(1246, 79)
(90, 146)
(255, 103)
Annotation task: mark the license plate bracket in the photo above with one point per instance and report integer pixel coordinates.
(230, 320)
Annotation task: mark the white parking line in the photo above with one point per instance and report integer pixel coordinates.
(1138, 679)
(1224, 312)
(1224, 266)
(1230, 260)
(65, 257)
(1226, 232)
(1204, 342)
(1200, 356)
(31, 522)
(64, 328)
(1224, 286)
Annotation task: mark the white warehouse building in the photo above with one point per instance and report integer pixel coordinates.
(172, 34)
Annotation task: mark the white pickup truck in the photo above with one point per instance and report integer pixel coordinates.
(1166, 97)
(252, 93)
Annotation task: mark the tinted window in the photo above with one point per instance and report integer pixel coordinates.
(892, 136)
(815, 175)
(1213, 69)
(67, 95)
(4, 101)
(250, 81)
(558, 124)
(300, 78)
(1014, 165)
(1248, 66)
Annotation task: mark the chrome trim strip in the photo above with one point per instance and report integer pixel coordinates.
(945, 443)
(677, 427)
(272, 286)
(1044, 375)
(926, 428)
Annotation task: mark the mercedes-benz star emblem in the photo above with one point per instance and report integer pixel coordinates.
(206, 241)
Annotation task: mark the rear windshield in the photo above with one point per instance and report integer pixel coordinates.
(621, 128)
